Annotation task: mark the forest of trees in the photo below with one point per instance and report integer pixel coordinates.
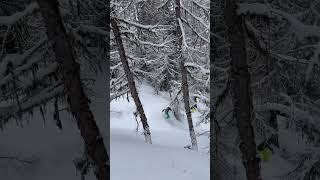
(265, 81)
(45, 48)
(254, 64)
(167, 44)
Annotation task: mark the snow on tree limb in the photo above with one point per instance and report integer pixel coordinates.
(19, 62)
(162, 4)
(198, 34)
(200, 20)
(29, 103)
(183, 34)
(203, 70)
(152, 44)
(138, 25)
(299, 114)
(301, 30)
(206, 8)
(118, 94)
(9, 20)
(39, 75)
(21, 59)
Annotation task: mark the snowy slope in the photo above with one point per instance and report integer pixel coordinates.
(277, 166)
(132, 158)
(52, 150)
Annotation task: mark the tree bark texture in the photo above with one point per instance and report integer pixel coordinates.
(77, 99)
(185, 88)
(130, 79)
(243, 108)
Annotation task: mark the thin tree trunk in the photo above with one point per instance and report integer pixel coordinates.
(130, 79)
(185, 88)
(77, 99)
(243, 109)
(185, 92)
(274, 139)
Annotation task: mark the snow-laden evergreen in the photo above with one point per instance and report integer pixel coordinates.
(282, 47)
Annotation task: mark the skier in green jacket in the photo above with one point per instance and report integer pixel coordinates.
(166, 112)
(265, 150)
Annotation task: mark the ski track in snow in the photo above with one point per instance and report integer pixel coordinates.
(132, 158)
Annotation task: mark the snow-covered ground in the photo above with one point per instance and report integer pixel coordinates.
(166, 158)
(51, 151)
(277, 166)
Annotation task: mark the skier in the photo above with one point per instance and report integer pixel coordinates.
(265, 150)
(166, 112)
(194, 108)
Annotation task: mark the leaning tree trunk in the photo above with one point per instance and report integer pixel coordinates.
(77, 99)
(243, 108)
(185, 88)
(130, 79)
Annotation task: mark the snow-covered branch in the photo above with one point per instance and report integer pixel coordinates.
(202, 69)
(10, 110)
(138, 25)
(19, 62)
(298, 113)
(183, 34)
(198, 34)
(9, 20)
(200, 20)
(301, 30)
(201, 6)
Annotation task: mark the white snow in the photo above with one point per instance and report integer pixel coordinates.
(166, 158)
(277, 166)
(52, 150)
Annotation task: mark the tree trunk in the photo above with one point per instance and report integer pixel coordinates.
(185, 88)
(242, 98)
(130, 79)
(77, 99)
(185, 92)
(274, 139)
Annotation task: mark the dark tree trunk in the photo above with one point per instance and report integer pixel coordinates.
(77, 99)
(130, 79)
(243, 108)
(185, 92)
(274, 139)
(185, 88)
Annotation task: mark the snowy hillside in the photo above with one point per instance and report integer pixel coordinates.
(50, 151)
(132, 158)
